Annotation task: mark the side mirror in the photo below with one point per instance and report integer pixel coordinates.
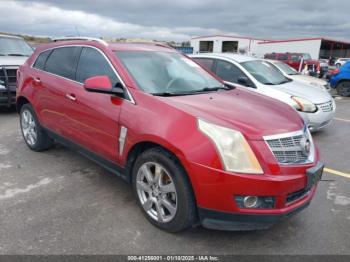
(243, 80)
(102, 84)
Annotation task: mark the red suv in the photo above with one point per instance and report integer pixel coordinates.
(193, 148)
(294, 60)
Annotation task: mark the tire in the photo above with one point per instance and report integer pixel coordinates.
(343, 88)
(33, 134)
(174, 180)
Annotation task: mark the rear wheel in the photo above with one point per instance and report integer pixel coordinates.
(163, 190)
(343, 88)
(34, 135)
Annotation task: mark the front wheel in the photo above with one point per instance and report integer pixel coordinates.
(163, 190)
(343, 88)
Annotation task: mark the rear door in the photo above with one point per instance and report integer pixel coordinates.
(94, 117)
(55, 72)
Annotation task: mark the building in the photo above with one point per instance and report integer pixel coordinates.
(317, 47)
(225, 43)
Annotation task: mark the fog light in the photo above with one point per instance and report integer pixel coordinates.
(255, 201)
(250, 201)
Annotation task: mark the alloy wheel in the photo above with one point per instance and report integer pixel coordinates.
(29, 128)
(156, 192)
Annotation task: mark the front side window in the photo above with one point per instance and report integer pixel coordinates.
(93, 63)
(265, 72)
(166, 72)
(283, 57)
(14, 47)
(228, 71)
(306, 57)
(295, 58)
(62, 61)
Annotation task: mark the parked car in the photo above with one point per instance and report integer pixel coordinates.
(324, 66)
(314, 105)
(14, 51)
(291, 73)
(340, 80)
(341, 61)
(193, 148)
(295, 59)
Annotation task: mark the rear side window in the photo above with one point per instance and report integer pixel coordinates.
(62, 61)
(93, 63)
(41, 60)
(207, 63)
(228, 72)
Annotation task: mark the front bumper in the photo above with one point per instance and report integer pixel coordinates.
(319, 119)
(217, 220)
(7, 97)
(255, 218)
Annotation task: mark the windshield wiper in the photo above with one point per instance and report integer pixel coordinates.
(16, 54)
(216, 88)
(172, 94)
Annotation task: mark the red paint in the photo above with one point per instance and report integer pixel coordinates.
(93, 120)
(289, 61)
(98, 82)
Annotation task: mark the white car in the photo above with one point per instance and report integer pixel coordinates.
(290, 72)
(314, 105)
(341, 61)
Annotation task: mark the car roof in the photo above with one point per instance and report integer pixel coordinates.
(140, 46)
(114, 46)
(234, 57)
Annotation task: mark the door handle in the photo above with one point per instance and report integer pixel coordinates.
(36, 80)
(71, 97)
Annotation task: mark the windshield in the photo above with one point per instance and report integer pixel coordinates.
(286, 68)
(265, 72)
(306, 57)
(167, 72)
(14, 47)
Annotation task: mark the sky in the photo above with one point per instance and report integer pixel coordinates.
(177, 20)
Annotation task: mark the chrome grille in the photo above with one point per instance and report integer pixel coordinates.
(326, 107)
(291, 148)
(8, 76)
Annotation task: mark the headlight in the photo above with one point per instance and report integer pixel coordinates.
(234, 150)
(303, 105)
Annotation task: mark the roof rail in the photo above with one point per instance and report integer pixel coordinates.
(72, 38)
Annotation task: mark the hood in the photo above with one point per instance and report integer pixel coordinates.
(312, 93)
(252, 114)
(12, 60)
(308, 79)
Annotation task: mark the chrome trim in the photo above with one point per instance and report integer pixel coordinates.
(122, 137)
(80, 38)
(131, 99)
(311, 157)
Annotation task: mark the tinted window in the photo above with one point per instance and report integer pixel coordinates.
(41, 60)
(295, 57)
(93, 63)
(283, 57)
(228, 72)
(270, 56)
(62, 61)
(207, 63)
